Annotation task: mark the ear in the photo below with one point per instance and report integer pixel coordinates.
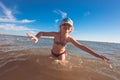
(71, 29)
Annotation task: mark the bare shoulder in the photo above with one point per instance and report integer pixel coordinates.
(72, 40)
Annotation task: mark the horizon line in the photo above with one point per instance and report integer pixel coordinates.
(52, 38)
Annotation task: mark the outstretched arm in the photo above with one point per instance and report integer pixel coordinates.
(85, 48)
(36, 37)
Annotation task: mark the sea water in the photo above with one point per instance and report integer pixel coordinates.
(21, 59)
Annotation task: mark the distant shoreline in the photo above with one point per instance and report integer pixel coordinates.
(52, 38)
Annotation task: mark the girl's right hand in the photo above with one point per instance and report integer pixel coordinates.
(32, 37)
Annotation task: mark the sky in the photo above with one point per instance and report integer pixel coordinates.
(94, 20)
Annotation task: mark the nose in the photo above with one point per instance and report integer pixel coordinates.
(65, 28)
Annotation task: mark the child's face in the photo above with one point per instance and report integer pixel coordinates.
(66, 28)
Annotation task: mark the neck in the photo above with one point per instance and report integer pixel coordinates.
(64, 34)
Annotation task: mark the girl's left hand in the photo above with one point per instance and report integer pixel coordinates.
(104, 58)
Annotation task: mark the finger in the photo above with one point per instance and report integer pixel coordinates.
(106, 59)
(28, 34)
(36, 42)
(32, 39)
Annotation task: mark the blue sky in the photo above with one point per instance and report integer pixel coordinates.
(94, 20)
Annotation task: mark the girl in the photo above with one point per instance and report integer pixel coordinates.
(61, 38)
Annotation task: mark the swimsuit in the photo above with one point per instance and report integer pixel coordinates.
(56, 54)
(58, 43)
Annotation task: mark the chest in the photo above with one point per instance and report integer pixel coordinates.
(58, 40)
